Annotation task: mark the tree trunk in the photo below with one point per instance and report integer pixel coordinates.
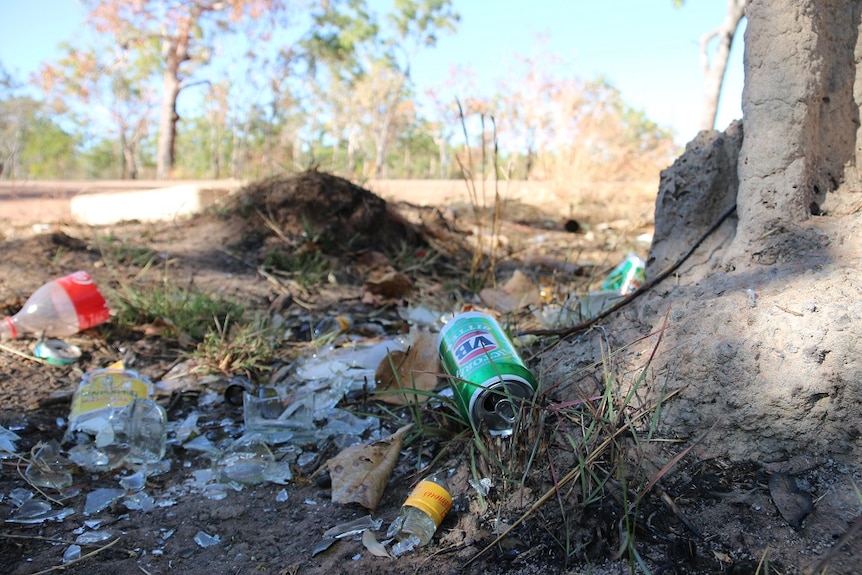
(130, 165)
(168, 119)
(175, 51)
(714, 74)
(382, 142)
(801, 108)
(351, 153)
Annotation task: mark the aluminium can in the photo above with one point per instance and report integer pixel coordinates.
(488, 377)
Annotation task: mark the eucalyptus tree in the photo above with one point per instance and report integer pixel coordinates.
(362, 63)
(183, 32)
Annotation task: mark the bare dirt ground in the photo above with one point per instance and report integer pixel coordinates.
(745, 499)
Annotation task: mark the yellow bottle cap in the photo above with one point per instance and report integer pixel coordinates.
(431, 498)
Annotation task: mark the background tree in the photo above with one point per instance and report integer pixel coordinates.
(32, 144)
(184, 31)
(94, 83)
(372, 61)
(714, 67)
(575, 131)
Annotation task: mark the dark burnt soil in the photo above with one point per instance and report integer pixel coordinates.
(703, 517)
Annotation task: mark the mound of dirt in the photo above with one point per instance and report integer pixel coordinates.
(333, 212)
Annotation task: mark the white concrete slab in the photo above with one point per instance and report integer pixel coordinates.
(156, 204)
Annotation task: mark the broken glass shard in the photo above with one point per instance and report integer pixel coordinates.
(405, 546)
(35, 511)
(47, 468)
(201, 443)
(8, 446)
(73, 553)
(91, 458)
(245, 461)
(215, 492)
(142, 425)
(101, 499)
(187, 427)
(133, 482)
(139, 502)
(205, 540)
(19, 495)
(354, 527)
(92, 537)
(322, 546)
(278, 472)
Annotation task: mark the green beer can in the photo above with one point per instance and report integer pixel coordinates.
(488, 377)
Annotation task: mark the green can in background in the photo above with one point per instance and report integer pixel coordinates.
(489, 378)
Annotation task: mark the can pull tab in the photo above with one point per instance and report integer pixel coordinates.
(505, 409)
(501, 406)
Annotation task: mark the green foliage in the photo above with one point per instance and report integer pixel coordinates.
(179, 311)
(238, 347)
(117, 251)
(47, 151)
(423, 20)
(308, 267)
(100, 160)
(339, 28)
(341, 98)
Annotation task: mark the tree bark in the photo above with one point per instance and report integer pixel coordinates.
(175, 51)
(714, 73)
(168, 118)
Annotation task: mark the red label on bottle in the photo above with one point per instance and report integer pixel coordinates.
(90, 305)
(10, 325)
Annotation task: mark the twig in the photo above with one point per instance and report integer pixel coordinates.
(790, 311)
(668, 500)
(22, 354)
(563, 333)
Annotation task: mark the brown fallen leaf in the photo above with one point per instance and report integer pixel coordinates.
(392, 285)
(415, 369)
(374, 260)
(519, 292)
(360, 472)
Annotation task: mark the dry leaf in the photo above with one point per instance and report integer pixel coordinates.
(359, 473)
(415, 369)
(374, 546)
(392, 285)
(374, 260)
(498, 299)
(519, 292)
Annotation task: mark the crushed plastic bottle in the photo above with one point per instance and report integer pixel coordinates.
(113, 420)
(627, 276)
(59, 308)
(421, 514)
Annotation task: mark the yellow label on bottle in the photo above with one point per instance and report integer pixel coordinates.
(107, 389)
(431, 498)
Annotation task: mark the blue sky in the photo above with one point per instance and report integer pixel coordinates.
(648, 49)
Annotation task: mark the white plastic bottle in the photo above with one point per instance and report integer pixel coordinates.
(424, 510)
(59, 308)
